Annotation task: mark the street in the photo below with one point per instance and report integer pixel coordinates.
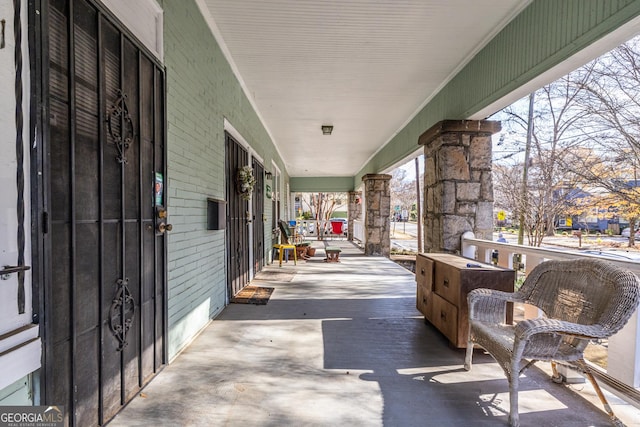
(403, 238)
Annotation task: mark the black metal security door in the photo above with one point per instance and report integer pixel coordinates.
(238, 217)
(104, 280)
(258, 217)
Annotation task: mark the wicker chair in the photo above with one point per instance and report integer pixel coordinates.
(581, 300)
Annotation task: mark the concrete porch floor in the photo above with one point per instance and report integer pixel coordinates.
(341, 344)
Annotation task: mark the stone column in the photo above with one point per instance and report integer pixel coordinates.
(354, 211)
(458, 187)
(376, 220)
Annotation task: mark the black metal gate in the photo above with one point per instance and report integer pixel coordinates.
(258, 217)
(103, 202)
(238, 217)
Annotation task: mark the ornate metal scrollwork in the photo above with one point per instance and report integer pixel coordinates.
(123, 133)
(121, 313)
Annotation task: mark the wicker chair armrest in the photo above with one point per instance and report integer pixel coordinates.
(525, 329)
(489, 305)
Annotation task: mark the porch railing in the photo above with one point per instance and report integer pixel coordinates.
(358, 231)
(623, 353)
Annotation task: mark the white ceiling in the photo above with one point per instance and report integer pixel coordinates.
(364, 66)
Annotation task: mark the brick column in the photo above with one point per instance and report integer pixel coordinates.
(376, 220)
(458, 188)
(354, 211)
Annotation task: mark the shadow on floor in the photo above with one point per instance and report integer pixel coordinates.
(423, 382)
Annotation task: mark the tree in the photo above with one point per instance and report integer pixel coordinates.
(539, 200)
(322, 206)
(403, 191)
(586, 134)
(612, 130)
(544, 199)
(630, 210)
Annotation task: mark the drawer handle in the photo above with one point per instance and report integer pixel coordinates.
(443, 315)
(445, 282)
(422, 271)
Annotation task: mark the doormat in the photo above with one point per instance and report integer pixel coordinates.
(253, 295)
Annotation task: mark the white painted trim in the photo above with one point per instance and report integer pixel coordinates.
(215, 31)
(21, 359)
(190, 341)
(275, 167)
(406, 159)
(18, 337)
(144, 18)
(238, 137)
(10, 319)
(277, 184)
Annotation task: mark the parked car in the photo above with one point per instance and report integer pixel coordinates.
(627, 231)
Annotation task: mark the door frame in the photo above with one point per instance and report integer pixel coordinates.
(252, 155)
(258, 213)
(41, 246)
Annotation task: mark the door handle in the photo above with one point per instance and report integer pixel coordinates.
(162, 227)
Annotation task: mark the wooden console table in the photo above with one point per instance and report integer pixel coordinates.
(443, 282)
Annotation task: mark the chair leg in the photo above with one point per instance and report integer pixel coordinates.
(587, 371)
(469, 356)
(555, 377)
(514, 417)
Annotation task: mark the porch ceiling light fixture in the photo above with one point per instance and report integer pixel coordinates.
(326, 129)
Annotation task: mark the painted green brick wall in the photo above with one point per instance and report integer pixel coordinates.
(315, 184)
(544, 34)
(201, 92)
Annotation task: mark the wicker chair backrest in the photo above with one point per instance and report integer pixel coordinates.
(585, 291)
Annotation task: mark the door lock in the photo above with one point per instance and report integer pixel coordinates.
(161, 216)
(162, 227)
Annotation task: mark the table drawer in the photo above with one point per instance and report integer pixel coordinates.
(447, 282)
(445, 317)
(424, 272)
(424, 300)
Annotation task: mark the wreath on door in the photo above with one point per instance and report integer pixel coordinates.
(245, 182)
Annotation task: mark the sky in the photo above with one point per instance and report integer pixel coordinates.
(410, 167)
